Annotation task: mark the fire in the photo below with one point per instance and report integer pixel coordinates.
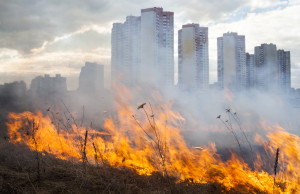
(151, 142)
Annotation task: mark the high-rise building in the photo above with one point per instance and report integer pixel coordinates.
(284, 65)
(125, 51)
(193, 65)
(231, 61)
(266, 67)
(116, 51)
(143, 48)
(157, 46)
(249, 70)
(91, 78)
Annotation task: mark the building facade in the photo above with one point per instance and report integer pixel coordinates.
(47, 86)
(266, 67)
(125, 51)
(157, 46)
(250, 71)
(14, 89)
(142, 48)
(284, 65)
(231, 61)
(91, 79)
(193, 63)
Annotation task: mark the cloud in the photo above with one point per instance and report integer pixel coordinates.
(266, 4)
(28, 24)
(79, 42)
(205, 11)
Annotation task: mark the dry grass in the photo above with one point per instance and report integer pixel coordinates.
(18, 175)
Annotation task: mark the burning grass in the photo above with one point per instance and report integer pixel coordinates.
(18, 175)
(150, 144)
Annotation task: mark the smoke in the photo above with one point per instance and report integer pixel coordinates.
(255, 112)
(255, 109)
(253, 115)
(245, 116)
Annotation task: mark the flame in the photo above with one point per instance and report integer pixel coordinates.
(151, 142)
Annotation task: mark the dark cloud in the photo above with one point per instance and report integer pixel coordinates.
(25, 25)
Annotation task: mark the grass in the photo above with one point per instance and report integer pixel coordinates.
(160, 146)
(18, 175)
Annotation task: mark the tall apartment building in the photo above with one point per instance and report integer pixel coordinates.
(125, 51)
(116, 51)
(193, 65)
(284, 65)
(250, 71)
(142, 48)
(266, 67)
(157, 46)
(91, 79)
(231, 61)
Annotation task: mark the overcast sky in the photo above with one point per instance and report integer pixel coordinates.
(58, 36)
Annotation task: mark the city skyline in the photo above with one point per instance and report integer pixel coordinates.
(73, 45)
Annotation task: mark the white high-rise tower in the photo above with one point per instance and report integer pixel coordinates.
(125, 51)
(266, 67)
(157, 46)
(231, 61)
(142, 49)
(193, 65)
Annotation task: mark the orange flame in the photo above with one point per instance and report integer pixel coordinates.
(154, 143)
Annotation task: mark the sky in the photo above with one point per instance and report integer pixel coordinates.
(54, 36)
